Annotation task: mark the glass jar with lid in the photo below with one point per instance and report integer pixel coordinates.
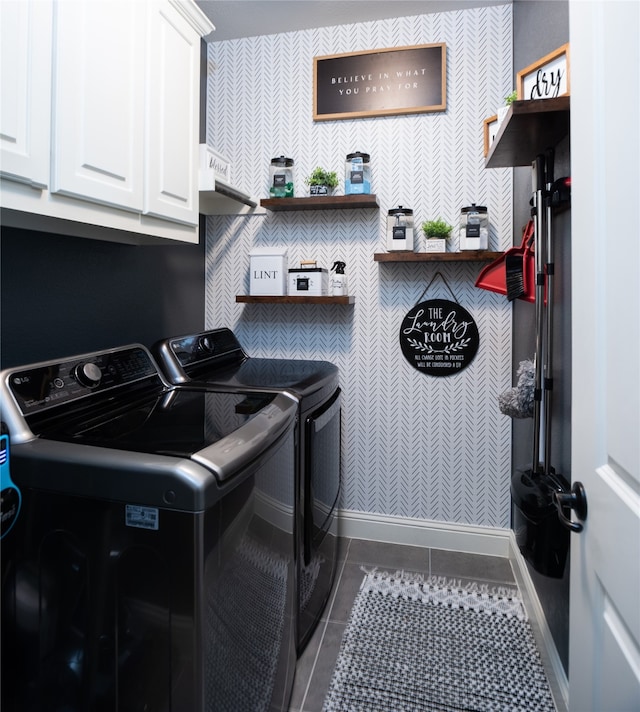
(400, 229)
(281, 177)
(357, 174)
(473, 228)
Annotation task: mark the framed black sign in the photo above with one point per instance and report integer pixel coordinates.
(439, 337)
(380, 82)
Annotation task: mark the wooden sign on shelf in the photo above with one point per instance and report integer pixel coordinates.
(547, 78)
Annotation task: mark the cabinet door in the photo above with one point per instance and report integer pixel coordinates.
(171, 180)
(98, 100)
(25, 107)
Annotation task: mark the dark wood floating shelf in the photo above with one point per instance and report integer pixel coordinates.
(248, 299)
(321, 202)
(466, 256)
(529, 128)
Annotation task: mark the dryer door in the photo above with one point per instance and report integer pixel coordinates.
(322, 472)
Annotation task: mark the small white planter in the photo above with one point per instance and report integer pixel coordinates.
(320, 190)
(435, 244)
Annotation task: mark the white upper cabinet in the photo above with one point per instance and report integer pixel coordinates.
(25, 76)
(99, 102)
(173, 100)
(104, 117)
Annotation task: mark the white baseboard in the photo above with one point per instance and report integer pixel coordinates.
(420, 532)
(473, 540)
(549, 653)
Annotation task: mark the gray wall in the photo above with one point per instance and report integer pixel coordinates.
(539, 28)
(66, 295)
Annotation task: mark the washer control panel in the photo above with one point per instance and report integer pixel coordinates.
(218, 344)
(54, 383)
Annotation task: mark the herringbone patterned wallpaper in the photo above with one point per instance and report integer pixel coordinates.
(413, 445)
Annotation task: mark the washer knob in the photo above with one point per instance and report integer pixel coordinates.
(88, 374)
(207, 344)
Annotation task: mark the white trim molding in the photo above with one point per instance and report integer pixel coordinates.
(194, 16)
(412, 531)
(550, 658)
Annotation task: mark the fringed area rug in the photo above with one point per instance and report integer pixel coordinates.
(419, 645)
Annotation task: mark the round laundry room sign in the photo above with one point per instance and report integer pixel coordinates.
(439, 337)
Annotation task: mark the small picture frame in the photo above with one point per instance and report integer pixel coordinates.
(547, 78)
(491, 127)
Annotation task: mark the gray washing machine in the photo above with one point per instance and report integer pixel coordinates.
(216, 359)
(152, 564)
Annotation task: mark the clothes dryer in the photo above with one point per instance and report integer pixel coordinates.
(215, 358)
(152, 565)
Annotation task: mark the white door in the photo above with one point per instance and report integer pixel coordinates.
(604, 645)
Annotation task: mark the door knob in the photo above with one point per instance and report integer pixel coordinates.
(576, 500)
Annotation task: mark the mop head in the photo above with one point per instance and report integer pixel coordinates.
(518, 402)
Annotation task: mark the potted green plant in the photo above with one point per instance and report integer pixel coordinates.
(321, 182)
(508, 100)
(437, 233)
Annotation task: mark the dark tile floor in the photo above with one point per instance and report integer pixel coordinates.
(315, 666)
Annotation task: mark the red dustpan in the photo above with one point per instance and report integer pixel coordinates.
(493, 277)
